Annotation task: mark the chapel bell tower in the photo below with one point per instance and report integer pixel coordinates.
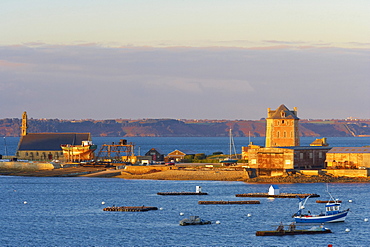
(24, 124)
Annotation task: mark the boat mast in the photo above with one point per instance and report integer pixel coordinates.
(230, 142)
(232, 146)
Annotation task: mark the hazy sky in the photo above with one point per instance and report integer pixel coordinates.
(204, 59)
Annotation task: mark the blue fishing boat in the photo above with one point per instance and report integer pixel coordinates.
(333, 213)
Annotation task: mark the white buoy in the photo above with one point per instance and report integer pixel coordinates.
(102, 203)
(218, 222)
(181, 213)
(366, 219)
(347, 230)
(24, 202)
(160, 208)
(249, 215)
(349, 200)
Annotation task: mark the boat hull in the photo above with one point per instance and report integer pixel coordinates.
(340, 217)
(295, 232)
(78, 152)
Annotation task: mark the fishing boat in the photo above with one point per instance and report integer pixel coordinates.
(333, 213)
(280, 231)
(193, 220)
(232, 155)
(85, 151)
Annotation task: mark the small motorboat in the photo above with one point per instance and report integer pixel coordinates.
(333, 213)
(193, 220)
(280, 231)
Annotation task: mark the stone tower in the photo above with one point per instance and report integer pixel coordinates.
(282, 127)
(24, 124)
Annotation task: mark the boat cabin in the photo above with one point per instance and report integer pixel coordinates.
(332, 208)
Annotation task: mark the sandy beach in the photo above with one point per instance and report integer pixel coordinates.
(165, 173)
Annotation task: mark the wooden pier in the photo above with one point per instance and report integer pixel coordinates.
(319, 201)
(181, 193)
(281, 195)
(130, 209)
(229, 202)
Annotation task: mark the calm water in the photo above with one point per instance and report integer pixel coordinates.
(68, 212)
(207, 145)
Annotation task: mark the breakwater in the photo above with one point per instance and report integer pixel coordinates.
(282, 195)
(130, 209)
(229, 202)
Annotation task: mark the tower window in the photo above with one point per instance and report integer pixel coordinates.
(282, 121)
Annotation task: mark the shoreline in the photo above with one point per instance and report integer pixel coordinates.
(183, 174)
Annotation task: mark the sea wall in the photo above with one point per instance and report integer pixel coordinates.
(310, 172)
(26, 166)
(348, 172)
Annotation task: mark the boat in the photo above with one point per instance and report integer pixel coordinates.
(194, 220)
(280, 231)
(333, 213)
(85, 151)
(232, 157)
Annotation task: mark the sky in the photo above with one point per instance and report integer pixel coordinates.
(184, 59)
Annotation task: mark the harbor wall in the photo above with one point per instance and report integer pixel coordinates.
(309, 172)
(26, 166)
(348, 172)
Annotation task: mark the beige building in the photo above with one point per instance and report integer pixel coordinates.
(178, 156)
(280, 159)
(348, 158)
(47, 146)
(282, 151)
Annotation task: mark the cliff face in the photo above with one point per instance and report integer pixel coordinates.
(178, 128)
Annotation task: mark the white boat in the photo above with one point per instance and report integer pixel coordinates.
(333, 213)
(232, 159)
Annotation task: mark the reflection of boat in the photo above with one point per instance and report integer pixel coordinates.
(194, 220)
(332, 212)
(232, 159)
(293, 231)
(79, 152)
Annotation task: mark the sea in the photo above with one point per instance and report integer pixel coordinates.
(68, 211)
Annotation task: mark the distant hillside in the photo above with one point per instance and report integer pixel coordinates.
(184, 128)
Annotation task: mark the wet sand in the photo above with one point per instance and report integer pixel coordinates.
(188, 175)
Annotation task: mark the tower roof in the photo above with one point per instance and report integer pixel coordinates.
(282, 112)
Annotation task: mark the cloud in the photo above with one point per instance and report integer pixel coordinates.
(10, 64)
(91, 81)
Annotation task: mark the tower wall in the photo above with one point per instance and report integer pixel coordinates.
(282, 127)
